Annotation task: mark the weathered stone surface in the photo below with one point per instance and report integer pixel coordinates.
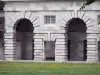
(64, 11)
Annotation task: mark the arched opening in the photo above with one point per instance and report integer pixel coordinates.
(77, 40)
(2, 38)
(1, 45)
(99, 51)
(24, 39)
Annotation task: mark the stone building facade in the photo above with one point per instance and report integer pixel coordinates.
(49, 30)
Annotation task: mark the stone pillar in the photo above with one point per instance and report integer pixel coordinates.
(38, 48)
(9, 46)
(9, 41)
(91, 48)
(61, 48)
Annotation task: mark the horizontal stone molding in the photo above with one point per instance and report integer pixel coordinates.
(61, 51)
(91, 52)
(9, 59)
(60, 43)
(36, 40)
(38, 37)
(61, 57)
(91, 45)
(38, 54)
(9, 37)
(38, 59)
(91, 48)
(38, 43)
(38, 50)
(91, 57)
(9, 45)
(9, 55)
(12, 48)
(92, 39)
(38, 47)
(61, 46)
(62, 40)
(60, 54)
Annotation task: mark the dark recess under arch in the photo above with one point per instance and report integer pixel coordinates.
(77, 40)
(24, 39)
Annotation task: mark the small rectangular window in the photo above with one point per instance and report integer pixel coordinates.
(49, 19)
(99, 19)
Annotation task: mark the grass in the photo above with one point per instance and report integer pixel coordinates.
(39, 68)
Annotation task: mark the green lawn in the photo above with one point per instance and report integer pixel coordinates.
(34, 68)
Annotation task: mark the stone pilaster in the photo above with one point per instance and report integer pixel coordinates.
(91, 48)
(61, 48)
(9, 46)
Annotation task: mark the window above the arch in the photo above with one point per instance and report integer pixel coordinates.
(98, 19)
(51, 19)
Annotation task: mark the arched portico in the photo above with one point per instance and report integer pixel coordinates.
(24, 39)
(77, 40)
(90, 44)
(19, 35)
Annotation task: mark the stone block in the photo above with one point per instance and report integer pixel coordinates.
(61, 43)
(36, 40)
(38, 47)
(38, 50)
(91, 46)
